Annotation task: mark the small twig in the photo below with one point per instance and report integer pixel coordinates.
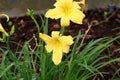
(35, 44)
(32, 50)
(93, 23)
(98, 23)
(86, 32)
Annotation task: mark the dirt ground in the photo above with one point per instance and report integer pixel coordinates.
(105, 24)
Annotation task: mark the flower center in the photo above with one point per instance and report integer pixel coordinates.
(57, 40)
(66, 9)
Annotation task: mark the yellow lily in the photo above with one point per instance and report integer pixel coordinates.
(1, 27)
(67, 10)
(58, 44)
(2, 30)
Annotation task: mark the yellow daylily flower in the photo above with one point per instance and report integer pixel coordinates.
(67, 10)
(1, 27)
(2, 30)
(58, 44)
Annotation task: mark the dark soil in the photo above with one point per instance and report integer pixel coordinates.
(102, 27)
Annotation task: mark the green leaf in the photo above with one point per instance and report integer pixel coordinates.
(12, 30)
(6, 69)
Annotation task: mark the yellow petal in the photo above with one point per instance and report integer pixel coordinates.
(49, 47)
(54, 13)
(66, 40)
(75, 5)
(2, 30)
(57, 55)
(65, 48)
(61, 3)
(77, 16)
(55, 34)
(65, 21)
(45, 37)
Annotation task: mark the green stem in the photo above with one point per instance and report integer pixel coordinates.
(62, 31)
(36, 23)
(31, 14)
(7, 44)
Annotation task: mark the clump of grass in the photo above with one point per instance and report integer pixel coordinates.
(36, 64)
